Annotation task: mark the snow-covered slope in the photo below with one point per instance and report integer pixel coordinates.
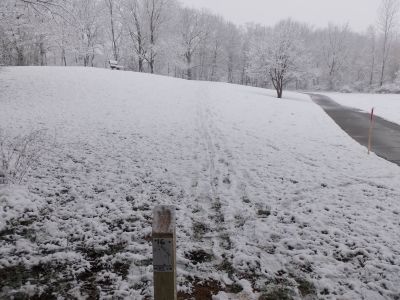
(386, 106)
(272, 197)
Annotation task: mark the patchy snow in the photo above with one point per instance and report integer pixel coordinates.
(16, 203)
(386, 106)
(272, 197)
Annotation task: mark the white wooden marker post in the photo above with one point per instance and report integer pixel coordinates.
(164, 253)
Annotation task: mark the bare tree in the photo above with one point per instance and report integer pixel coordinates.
(155, 10)
(135, 24)
(387, 22)
(193, 33)
(216, 48)
(232, 50)
(281, 55)
(335, 52)
(371, 35)
(115, 26)
(88, 29)
(62, 33)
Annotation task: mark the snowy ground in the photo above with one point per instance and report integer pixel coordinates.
(386, 106)
(273, 198)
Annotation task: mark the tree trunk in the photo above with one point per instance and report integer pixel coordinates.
(20, 57)
(140, 63)
(152, 54)
(63, 58)
(230, 69)
(43, 60)
(189, 74)
(86, 60)
(371, 78)
(382, 72)
(114, 42)
(214, 64)
(140, 50)
(279, 90)
(151, 65)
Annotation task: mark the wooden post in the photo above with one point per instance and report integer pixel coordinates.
(164, 253)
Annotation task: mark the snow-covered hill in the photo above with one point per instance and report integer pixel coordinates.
(273, 198)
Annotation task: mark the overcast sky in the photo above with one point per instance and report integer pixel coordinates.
(359, 14)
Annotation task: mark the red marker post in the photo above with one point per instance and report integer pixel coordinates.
(371, 126)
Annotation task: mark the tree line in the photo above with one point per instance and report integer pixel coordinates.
(165, 37)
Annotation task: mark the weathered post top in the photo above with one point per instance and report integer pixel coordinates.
(164, 220)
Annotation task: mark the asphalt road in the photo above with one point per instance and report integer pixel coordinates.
(386, 135)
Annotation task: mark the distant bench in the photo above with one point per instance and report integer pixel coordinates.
(115, 66)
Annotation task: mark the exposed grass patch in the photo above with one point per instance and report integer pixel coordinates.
(234, 288)
(202, 289)
(15, 277)
(305, 287)
(199, 256)
(199, 230)
(227, 267)
(277, 293)
(264, 213)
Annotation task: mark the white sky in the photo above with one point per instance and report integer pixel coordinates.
(359, 14)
